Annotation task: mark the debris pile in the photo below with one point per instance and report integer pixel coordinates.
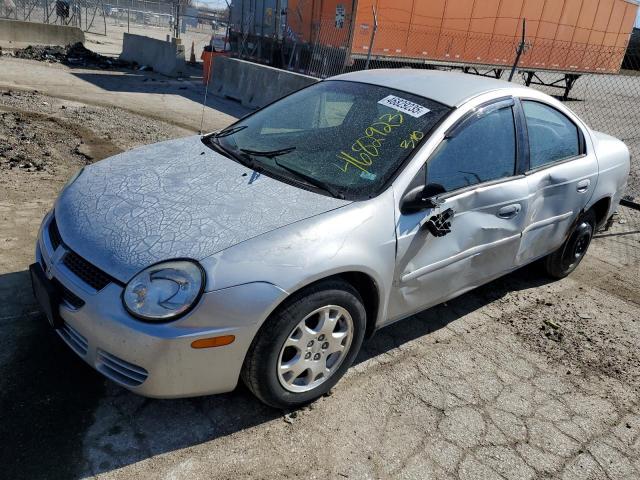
(19, 146)
(75, 55)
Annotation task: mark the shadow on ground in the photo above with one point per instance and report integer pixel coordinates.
(49, 398)
(136, 81)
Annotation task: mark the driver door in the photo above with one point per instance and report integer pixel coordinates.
(477, 166)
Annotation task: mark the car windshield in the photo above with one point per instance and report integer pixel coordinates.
(342, 137)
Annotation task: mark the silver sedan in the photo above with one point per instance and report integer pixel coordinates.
(270, 250)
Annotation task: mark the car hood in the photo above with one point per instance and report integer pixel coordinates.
(176, 199)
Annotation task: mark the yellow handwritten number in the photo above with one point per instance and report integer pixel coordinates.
(413, 140)
(367, 147)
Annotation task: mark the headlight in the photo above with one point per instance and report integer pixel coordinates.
(164, 291)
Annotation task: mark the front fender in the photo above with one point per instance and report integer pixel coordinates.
(359, 237)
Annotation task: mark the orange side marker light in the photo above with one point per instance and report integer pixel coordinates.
(213, 342)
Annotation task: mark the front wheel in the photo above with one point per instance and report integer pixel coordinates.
(563, 261)
(306, 346)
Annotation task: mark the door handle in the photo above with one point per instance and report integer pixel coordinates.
(509, 211)
(583, 186)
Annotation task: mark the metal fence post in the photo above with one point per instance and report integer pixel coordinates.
(373, 37)
(520, 49)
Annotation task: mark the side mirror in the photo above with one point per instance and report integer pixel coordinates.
(421, 198)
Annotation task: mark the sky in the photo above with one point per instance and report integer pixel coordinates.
(214, 3)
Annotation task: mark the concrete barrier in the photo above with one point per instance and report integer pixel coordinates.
(165, 57)
(17, 31)
(252, 84)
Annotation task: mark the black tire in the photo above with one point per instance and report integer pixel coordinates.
(565, 259)
(259, 371)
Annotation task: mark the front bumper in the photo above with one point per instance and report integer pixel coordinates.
(156, 360)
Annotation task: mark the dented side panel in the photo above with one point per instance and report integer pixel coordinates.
(481, 245)
(558, 195)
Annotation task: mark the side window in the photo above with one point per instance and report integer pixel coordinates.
(552, 136)
(484, 150)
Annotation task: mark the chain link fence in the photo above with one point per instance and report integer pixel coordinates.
(92, 16)
(87, 15)
(112, 18)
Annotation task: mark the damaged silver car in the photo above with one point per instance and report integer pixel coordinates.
(270, 250)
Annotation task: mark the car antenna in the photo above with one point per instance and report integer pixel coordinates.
(206, 91)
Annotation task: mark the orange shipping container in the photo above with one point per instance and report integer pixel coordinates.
(563, 35)
(313, 20)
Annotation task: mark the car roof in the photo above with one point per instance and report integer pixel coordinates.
(450, 88)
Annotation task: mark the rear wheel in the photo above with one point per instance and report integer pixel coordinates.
(306, 346)
(563, 261)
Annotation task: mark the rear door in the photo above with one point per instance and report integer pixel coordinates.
(561, 178)
(478, 167)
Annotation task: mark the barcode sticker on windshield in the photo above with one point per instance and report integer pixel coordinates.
(404, 106)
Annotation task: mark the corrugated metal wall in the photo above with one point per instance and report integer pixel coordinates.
(566, 34)
(257, 17)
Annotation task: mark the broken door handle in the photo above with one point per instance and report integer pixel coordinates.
(439, 225)
(583, 186)
(509, 211)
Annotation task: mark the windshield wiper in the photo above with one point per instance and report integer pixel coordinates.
(273, 154)
(313, 181)
(213, 142)
(225, 132)
(268, 154)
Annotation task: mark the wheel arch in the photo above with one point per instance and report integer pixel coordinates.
(367, 287)
(370, 294)
(601, 209)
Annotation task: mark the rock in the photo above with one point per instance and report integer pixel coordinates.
(552, 324)
(289, 417)
(83, 149)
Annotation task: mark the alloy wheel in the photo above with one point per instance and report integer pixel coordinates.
(315, 348)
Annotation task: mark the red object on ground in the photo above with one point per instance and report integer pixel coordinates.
(208, 58)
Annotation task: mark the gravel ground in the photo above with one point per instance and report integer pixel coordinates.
(520, 379)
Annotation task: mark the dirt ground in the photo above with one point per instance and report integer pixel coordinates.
(520, 379)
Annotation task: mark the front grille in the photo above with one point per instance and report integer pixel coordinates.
(76, 341)
(54, 234)
(67, 295)
(119, 370)
(89, 274)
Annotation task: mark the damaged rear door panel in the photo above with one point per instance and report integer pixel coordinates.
(562, 176)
